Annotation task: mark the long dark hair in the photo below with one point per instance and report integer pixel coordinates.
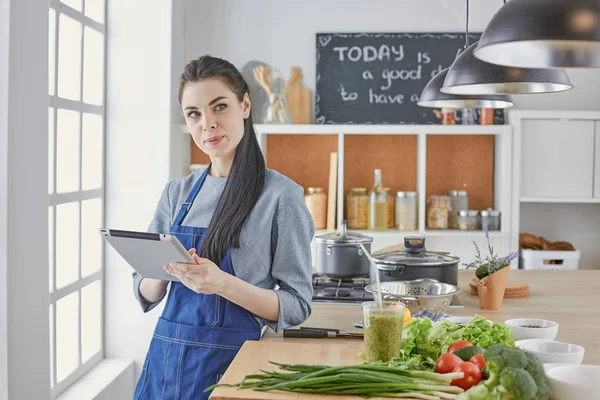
(247, 175)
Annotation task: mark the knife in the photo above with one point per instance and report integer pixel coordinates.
(307, 332)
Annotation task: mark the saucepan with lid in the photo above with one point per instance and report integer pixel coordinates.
(415, 262)
(338, 254)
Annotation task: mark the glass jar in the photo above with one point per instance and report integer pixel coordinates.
(459, 200)
(468, 220)
(316, 202)
(491, 218)
(357, 208)
(406, 211)
(390, 207)
(439, 210)
(378, 205)
(382, 327)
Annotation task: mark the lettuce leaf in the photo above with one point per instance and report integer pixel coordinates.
(424, 341)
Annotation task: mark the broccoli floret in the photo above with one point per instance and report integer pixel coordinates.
(518, 383)
(513, 374)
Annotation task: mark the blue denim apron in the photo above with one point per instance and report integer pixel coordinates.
(197, 335)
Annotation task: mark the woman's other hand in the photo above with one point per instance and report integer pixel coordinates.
(203, 277)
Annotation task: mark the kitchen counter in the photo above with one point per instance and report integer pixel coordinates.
(571, 298)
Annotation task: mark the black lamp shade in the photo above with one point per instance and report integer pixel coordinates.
(543, 34)
(432, 97)
(469, 75)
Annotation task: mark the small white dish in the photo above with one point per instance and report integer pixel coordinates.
(522, 328)
(570, 382)
(550, 351)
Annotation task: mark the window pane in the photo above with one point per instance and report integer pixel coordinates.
(91, 298)
(92, 152)
(76, 4)
(67, 243)
(67, 335)
(91, 241)
(51, 49)
(50, 150)
(93, 66)
(51, 246)
(95, 10)
(51, 313)
(69, 58)
(67, 151)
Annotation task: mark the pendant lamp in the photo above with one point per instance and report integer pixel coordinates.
(469, 75)
(433, 97)
(543, 34)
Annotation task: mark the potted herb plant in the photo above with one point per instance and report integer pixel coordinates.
(492, 274)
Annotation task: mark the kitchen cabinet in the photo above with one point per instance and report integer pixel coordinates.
(557, 158)
(597, 163)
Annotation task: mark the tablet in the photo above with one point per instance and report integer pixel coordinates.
(147, 253)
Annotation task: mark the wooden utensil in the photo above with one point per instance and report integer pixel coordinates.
(298, 98)
(331, 195)
(262, 75)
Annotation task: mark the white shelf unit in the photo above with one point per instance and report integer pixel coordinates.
(447, 240)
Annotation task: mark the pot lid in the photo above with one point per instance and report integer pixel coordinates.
(343, 237)
(414, 254)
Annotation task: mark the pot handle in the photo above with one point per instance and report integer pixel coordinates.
(387, 268)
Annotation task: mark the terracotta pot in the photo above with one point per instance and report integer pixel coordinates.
(491, 289)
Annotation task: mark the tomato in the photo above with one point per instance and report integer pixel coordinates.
(446, 363)
(478, 360)
(472, 375)
(459, 345)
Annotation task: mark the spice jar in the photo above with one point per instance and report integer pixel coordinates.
(357, 208)
(316, 202)
(468, 220)
(491, 218)
(459, 200)
(439, 210)
(406, 211)
(390, 207)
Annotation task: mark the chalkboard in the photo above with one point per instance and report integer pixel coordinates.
(377, 78)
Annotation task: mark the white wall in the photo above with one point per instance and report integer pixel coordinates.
(282, 34)
(138, 148)
(24, 328)
(575, 223)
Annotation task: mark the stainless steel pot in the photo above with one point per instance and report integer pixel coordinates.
(414, 262)
(338, 254)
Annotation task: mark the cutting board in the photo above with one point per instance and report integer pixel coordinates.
(298, 100)
(254, 356)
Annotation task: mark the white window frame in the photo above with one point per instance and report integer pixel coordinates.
(56, 199)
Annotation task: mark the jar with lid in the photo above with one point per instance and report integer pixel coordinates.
(357, 208)
(468, 220)
(316, 202)
(378, 205)
(406, 211)
(390, 207)
(439, 210)
(459, 200)
(491, 218)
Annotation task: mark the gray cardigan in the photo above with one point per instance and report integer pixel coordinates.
(274, 242)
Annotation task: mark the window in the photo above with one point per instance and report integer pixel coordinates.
(76, 68)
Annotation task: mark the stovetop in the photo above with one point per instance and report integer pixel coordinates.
(348, 290)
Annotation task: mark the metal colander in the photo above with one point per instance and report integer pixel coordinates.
(423, 297)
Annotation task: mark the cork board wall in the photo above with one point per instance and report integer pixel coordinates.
(197, 156)
(462, 162)
(302, 158)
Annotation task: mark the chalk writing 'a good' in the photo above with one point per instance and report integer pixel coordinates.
(370, 53)
(391, 75)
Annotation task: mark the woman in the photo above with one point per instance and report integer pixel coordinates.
(248, 231)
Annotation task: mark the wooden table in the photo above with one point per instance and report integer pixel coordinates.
(571, 298)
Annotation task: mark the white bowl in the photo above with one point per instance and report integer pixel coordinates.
(570, 382)
(548, 330)
(550, 351)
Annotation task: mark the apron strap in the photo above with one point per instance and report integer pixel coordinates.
(185, 207)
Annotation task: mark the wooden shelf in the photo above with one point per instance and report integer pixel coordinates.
(427, 233)
(562, 200)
